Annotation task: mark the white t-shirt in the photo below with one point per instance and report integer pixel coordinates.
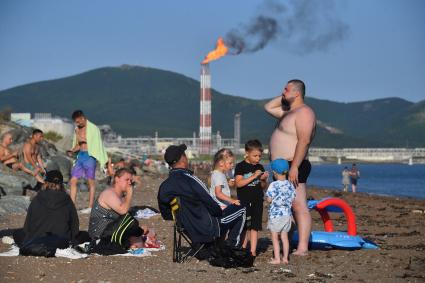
(219, 179)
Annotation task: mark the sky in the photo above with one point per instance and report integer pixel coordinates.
(378, 52)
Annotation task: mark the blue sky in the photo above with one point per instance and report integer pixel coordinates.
(381, 56)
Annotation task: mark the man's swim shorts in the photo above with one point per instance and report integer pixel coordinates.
(303, 171)
(84, 167)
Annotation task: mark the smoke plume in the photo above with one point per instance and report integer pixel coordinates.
(302, 26)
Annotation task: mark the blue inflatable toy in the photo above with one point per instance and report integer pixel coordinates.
(330, 239)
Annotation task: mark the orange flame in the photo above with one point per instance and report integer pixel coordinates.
(219, 51)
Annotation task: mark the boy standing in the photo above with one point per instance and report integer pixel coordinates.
(250, 180)
(280, 194)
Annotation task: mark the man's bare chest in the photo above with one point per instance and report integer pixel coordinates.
(81, 134)
(287, 124)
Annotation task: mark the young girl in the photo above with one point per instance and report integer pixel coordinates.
(233, 218)
(220, 187)
(251, 180)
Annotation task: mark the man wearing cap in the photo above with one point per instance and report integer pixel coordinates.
(200, 214)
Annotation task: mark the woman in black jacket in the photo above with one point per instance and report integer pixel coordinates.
(51, 220)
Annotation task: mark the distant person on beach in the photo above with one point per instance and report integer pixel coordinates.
(220, 191)
(110, 221)
(87, 141)
(354, 177)
(250, 181)
(280, 195)
(201, 216)
(290, 141)
(32, 157)
(9, 157)
(345, 179)
(113, 167)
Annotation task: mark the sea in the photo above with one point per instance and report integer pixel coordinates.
(380, 179)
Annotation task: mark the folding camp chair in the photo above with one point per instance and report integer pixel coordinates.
(181, 254)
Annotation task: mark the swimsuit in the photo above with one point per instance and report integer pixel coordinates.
(85, 166)
(303, 170)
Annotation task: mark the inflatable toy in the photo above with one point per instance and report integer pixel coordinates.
(330, 239)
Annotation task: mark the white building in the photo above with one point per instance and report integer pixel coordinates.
(46, 123)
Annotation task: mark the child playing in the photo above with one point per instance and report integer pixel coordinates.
(280, 194)
(250, 180)
(220, 187)
(233, 218)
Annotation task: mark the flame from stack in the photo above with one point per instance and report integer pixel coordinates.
(219, 51)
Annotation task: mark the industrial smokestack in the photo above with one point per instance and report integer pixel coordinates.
(237, 132)
(205, 111)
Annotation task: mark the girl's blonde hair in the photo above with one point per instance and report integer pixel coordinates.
(220, 155)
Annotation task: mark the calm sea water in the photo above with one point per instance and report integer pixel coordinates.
(383, 179)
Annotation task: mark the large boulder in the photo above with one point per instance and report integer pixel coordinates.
(61, 163)
(13, 182)
(14, 205)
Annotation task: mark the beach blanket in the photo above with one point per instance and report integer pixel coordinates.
(141, 252)
(94, 144)
(145, 213)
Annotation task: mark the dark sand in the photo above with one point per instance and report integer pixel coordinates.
(396, 224)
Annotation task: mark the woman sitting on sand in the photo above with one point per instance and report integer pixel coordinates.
(52, 220)
(111, 223)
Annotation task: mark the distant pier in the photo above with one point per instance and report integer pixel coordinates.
(405, 155)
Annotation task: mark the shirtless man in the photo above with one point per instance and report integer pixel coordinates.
(9, 157)
(291, 140)
(85, 165)
(32, 157)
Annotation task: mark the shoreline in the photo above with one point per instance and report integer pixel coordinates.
(334, 189)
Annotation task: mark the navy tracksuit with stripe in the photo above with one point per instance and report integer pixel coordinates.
(199, 214)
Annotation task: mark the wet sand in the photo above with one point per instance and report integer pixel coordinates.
(397, 225)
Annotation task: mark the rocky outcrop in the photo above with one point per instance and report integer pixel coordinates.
(13, 181)
(14, 204)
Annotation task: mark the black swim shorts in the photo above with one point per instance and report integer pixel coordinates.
(254, 213)
(303, 171)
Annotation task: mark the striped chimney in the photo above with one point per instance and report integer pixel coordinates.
(205, 145)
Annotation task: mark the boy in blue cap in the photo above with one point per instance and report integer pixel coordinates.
(280, 194)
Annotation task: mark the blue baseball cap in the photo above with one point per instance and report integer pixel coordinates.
(279, 166)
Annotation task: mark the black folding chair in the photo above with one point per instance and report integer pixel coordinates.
(180, 253)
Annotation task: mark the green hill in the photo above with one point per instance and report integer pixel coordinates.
(138, 101)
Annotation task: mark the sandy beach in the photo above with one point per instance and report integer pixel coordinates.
(397, 225)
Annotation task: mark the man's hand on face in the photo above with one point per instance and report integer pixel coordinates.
(129, 191)
(293, 175)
